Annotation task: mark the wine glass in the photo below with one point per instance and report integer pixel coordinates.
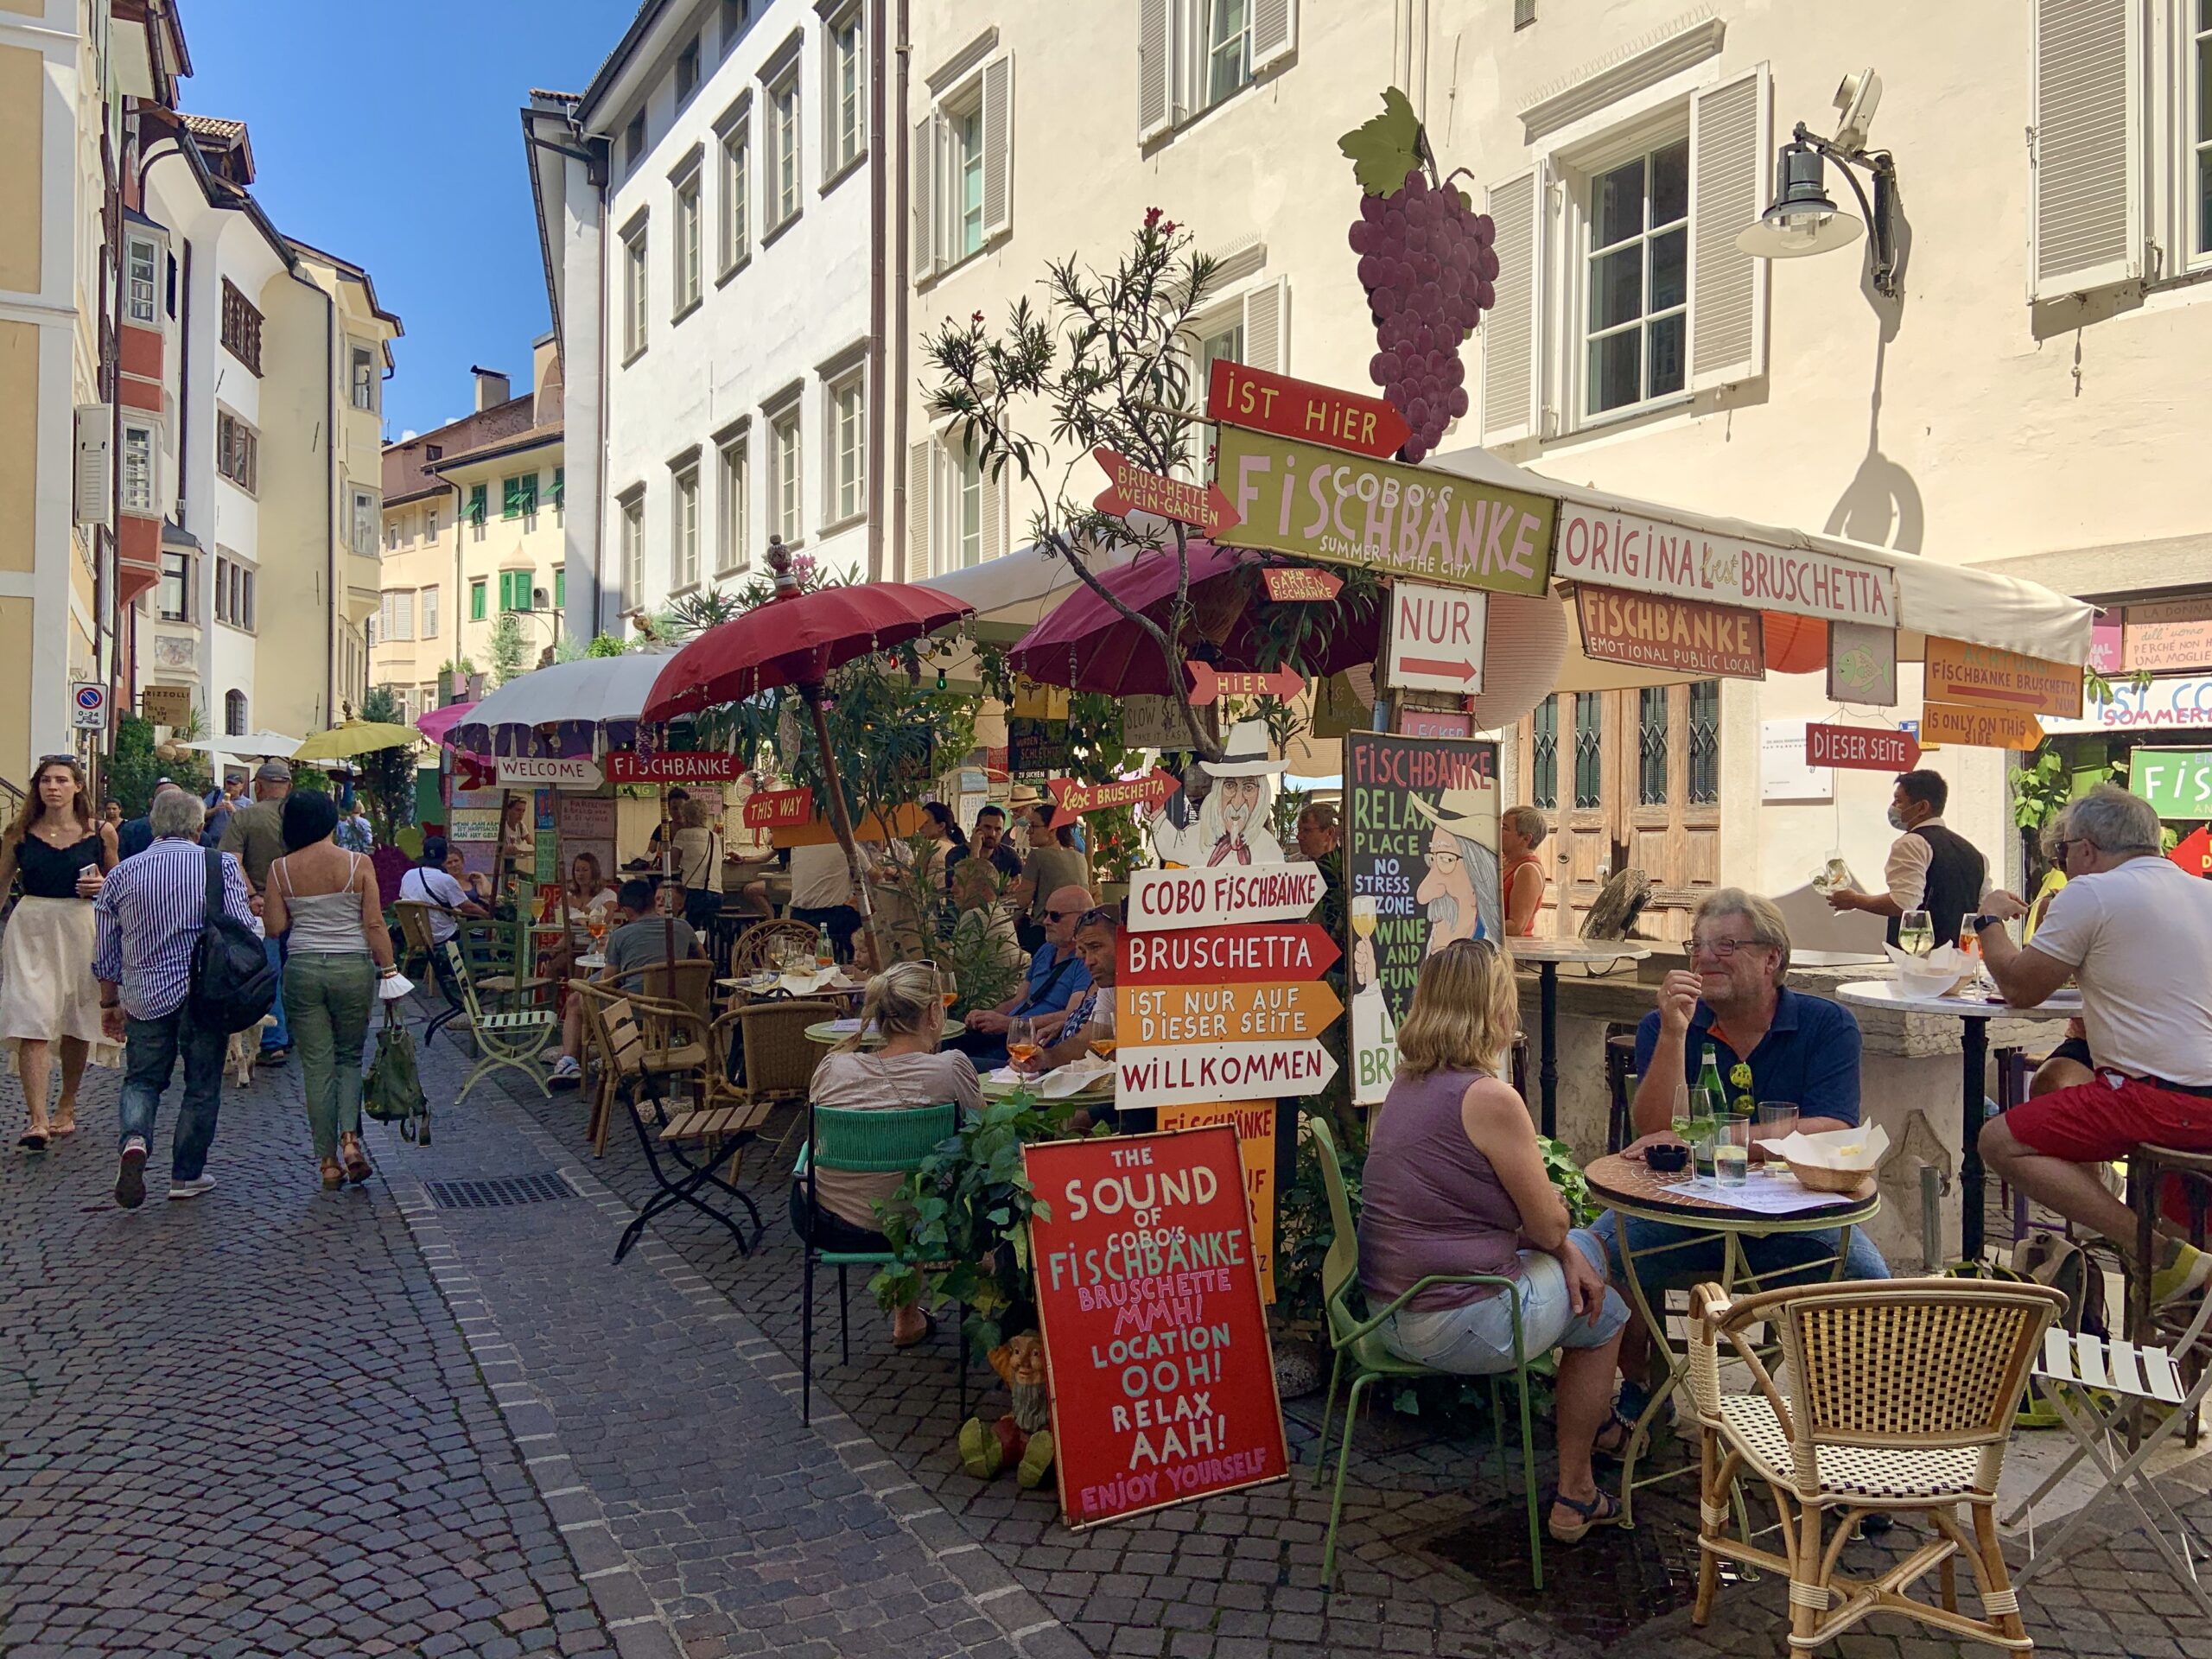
(948, 989)
(1916, 933)
(1102, 1031)
(1021, 1039)
(1362, 913)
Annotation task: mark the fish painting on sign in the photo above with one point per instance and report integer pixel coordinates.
(1233, 821)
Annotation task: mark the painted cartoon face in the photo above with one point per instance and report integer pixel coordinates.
(1448, 891)
(1240, 805)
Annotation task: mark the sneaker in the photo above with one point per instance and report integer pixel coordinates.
(130, 1179)
(191, 1189)
(2182, 1276)
(273, 1057)
(566, 1073)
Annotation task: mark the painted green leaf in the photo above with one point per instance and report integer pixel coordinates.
(1385, 147)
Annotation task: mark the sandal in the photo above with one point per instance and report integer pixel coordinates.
(356, 1160)
(1602, 1511)
(929, 1329)
(333, 1176)
(65, 1123)
(1612, 1440)
(32, 1140)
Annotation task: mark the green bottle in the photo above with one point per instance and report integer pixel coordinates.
(1708, 1080)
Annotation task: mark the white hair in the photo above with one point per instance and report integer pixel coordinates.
(177, 812)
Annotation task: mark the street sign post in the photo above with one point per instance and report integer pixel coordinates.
(1436, 639)
(1210, 684)
(88, 706)
(1255, 954)
(1130, 489)
(1860, 748)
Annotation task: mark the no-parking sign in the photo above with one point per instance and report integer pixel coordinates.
(89, 710)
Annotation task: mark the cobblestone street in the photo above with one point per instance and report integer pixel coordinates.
(429, 1416)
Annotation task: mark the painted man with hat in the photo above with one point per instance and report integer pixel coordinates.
(1233, 822)
(1460, 888)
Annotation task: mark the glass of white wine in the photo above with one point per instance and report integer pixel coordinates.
(1916, 933)
(1363, 915)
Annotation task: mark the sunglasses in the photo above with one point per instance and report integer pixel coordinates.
(1105, 915)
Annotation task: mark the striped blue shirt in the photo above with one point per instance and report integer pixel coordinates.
(148, 916)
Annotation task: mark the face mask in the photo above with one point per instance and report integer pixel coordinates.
(1897, 820)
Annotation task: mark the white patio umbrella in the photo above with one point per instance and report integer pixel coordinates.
(593, 691)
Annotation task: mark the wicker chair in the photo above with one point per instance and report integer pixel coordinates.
(779, 1057)
(1901, 1396)
(755, 948)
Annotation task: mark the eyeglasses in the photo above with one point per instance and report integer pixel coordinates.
(1441, 860)
(2061, 845)
(1060, 915)
(1727, 948)
(1107, 915)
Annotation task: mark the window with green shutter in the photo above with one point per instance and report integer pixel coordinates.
(518, 496)
(560, 578)
(476, 600)
(480, 498)
(514, 590)
(559, 485)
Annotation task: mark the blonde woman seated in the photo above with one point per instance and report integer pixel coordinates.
(1455, 1183)
(905, 1004)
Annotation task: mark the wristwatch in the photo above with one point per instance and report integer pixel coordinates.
(1986, 920)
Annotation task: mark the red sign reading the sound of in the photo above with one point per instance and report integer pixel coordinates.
(1074, 798)
(1298, 409)
(628, 767)
(779, 809)
(1210, 684)
(1291, 584)
(1860, 748)
(1131, 489)
(1249, 953)
(1148, 1299)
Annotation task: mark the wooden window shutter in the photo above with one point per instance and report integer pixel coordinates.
(1155, 67)
(1731, 157)
(919, 509)
(925, 217)
(995, 506)
(2085, 122)
(1512, 330)
(998, 145)
(1274, 33)
(1267, 330)
(94, 477)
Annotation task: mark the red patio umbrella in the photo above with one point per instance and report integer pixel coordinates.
(799, 639)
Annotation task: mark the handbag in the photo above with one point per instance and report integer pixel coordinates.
(391, 1092)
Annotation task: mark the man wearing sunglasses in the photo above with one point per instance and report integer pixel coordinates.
(1057, 977)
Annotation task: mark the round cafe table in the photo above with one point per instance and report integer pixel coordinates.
(1547, 954)
(1634, 1191)
(825, 1032)
(1973, 1014)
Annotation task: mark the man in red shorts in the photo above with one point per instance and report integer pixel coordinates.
(2134, 931)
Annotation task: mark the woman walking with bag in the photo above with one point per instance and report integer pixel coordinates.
(325, 899)
(48, 994)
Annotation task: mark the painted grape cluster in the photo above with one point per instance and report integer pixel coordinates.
(1426, 261)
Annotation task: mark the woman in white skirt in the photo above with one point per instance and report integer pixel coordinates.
(48, 994)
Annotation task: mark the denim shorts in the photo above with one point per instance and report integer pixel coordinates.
(1476, 1340)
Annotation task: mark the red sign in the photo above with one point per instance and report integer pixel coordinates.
(1298, 409)
(2194, 852)
(1292, 584)
(1074, 798)
(1860, 748)
(1249, 953)
(1210, 684)
(777, 808)
(1163, 1383)
(1129, 489)
(1680, 635)
(470, 774)
(1435, 723)
(628, 767)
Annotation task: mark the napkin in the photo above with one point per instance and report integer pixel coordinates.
(1860, 1148)
(1075, 1075)
(1933, 975)
(807, 984)
(390, 990)
(845, 1024)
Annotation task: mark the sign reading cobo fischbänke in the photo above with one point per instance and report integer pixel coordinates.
(1223, 892)
(1622, 551)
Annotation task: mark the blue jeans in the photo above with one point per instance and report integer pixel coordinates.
(149, 1061)
(1778, 1259)
(280, 1034)
(1476, 1340)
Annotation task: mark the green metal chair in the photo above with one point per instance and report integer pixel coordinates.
(514, 1040)
(864, 1143)
(1358, 1345)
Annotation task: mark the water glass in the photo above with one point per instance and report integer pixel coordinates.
(1916, 933)
(1777, 1122)
(1732, 1149)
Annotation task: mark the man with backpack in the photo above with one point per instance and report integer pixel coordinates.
(149, 919)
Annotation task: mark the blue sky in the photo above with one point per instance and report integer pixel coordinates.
(390, 137)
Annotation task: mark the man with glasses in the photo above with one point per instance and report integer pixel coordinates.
(1057, 977)
(1091, 1016)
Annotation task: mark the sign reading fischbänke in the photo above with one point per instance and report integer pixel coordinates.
(1616, 549)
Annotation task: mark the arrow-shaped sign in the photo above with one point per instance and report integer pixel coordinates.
(1298, 583)
(1210, 684)
(1462, 669)
(2193, 852)
(1221, 894)
(1148, 1076)
(1259, 953)
(1176, 1016)
(1074, 798)
(1298, 409)
(1987, 728)
(1130, 489)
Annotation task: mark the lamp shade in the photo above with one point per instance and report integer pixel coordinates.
(1524, 646)
(1802, 219)
(1795, 645)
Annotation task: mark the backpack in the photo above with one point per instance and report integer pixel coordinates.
(392, 1090)
(233, 983)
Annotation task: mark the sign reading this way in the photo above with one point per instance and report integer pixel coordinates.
(1860, 748)
(1436, 639)
(778, 809)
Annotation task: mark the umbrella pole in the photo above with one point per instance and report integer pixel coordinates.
(667, 876)
(843, 824)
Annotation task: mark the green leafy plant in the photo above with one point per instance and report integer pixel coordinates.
(386, 776)
(510, 648)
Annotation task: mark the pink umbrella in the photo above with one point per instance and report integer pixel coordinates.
(434, 723)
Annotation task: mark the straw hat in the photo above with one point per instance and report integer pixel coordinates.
(1246, 753)
(1462, 812)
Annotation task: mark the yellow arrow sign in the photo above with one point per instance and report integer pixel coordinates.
(1174, 1015)
(1987, 728)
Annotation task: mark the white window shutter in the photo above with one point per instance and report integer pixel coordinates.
(2085, 119)
(1274, 33)
(998, 145)
(1731, 151)
(1512, 330)
(923, 161)
(93, 478)
(995, 506)
(918, 510)
(1267, 330)
(1155, 67)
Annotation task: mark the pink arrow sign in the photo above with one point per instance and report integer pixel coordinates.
(1210, 684)
(1074, 798)
(1130, 489)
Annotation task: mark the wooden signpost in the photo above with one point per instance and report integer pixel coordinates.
(1978, 727)
(1210, 684)
(1179, 1015)
(1678, 635)
(1982, 677)
(1435, 639)
(1130, 489)
(1149, 1299)
(1254, 1123)
(1220, 895)
(1255, 954)
(629, 767)
(1074, 798)
(1860, 748)
(1157, 1076)
(779, 809)
(1298, 409)
(1288, 584)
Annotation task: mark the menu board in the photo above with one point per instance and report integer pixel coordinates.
(1420, 870)
(1155, 1342)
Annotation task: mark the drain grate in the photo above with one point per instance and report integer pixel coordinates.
(498, 1194)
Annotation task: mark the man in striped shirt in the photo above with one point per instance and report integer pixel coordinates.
(148, 916)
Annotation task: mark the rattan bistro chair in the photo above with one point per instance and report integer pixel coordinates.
(755, 948)
(1900, 1396)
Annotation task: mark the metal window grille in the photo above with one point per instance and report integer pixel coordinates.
(1543, 790)
(1705, 743)
(1652, 747)
(1589, 749)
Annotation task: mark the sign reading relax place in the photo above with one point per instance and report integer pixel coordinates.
(555, 771)
(1314, 503)
(1615, 550)
(1074, 798)
(1222, 893)
(1860, 748)
(1678, 635)
(1130, 489)
(1983, 677)
(1298, 409)
(628, 767)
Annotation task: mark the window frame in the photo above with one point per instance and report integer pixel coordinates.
(837, 511)
(734, 162)
(683, 527)
(1204, 97)
(151, 283)
(786, 477)
(967, 499)
(238, 451)
(637, 291)
(428, 608)
(145, 501)
(734, 505)
(177, 566)
(366, 511)
(234, 594)
(689, 59)
(1644, 139)
(2192, 27)
(633, 548)
(785, 119)
(362, 377)
(959, 119)
(240, 332)
(479, 509)
(235, 714)
(844, 59)
(689, 232)
(478, 597)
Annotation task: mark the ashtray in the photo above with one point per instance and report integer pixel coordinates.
(1663, 1157)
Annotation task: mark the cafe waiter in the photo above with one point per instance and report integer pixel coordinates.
(1931, 866)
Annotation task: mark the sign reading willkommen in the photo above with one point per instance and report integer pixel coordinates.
(1148, 1298)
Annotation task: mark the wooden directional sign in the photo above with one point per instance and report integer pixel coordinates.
(1131, 489)
(1160, 1076)
(1983, 677)
(1659, 632)
(1290, 584)
(1860, 748)
(578, 771)
(628, 767)
(778, 809)
(1178, 1015)
(1436, 638)
(1298, 409)
(1265, 953)
(2194, 852)
(1987, 728)
(1074, 798)
(1210, 684)
(1223, 894)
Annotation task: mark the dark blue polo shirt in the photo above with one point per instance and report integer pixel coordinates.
(1809, 1055)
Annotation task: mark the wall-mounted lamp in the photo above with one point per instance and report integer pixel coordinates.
(1804, 219)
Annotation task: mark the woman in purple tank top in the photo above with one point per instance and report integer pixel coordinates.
(1455, 1184)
